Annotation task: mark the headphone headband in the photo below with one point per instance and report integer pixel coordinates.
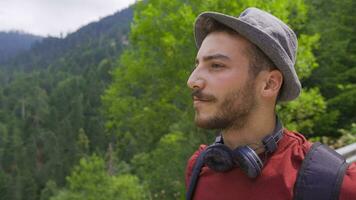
(270, 141)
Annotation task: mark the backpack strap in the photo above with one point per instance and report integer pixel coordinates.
(195, 175)
(321, 174)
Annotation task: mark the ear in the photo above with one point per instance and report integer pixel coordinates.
(272, 84)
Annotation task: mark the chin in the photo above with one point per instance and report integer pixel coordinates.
(210, 123)
(202, 122)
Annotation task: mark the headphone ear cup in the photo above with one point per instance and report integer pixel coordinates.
(218, 157)
(248, 161)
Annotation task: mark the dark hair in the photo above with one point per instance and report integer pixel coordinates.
(259, 61)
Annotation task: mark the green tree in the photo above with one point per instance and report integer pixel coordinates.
(4, 185)
(334, 21)
(51, 189)
(49, 106)
(161, 169)
(90, 181)
(83, 143)
(149, 99)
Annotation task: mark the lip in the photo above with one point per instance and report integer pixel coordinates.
(197, 99)
(196, 102)
(200, 99)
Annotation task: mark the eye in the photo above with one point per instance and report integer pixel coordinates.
(216, 66)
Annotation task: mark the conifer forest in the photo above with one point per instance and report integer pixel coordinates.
(104, 113)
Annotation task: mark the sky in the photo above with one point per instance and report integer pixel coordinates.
(55, 17)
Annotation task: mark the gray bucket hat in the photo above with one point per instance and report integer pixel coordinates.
(267, 32)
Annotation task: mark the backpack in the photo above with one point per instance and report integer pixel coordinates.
(320, 176)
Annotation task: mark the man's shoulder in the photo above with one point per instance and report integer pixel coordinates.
(191, 162)
(299, 145)
(293, 143)
(296, 136)
(348, 190)
(193, 158)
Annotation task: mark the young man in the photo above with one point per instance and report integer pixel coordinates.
(244, 66)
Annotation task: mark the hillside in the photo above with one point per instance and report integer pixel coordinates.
(104, 35)
(50, 105)
(13, 42)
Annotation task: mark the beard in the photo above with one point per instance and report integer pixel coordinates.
(233, 111)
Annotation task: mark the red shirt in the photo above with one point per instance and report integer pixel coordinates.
(276, 181)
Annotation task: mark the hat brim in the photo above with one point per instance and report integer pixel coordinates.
(291, 87)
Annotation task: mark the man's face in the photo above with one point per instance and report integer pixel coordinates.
(223, 91)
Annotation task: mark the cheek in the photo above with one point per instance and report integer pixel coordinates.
(225, 84)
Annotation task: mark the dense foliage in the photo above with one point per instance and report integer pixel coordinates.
(335, 21)
(50, 106)
(80, 121)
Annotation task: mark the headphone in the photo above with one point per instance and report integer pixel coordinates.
(221, 158)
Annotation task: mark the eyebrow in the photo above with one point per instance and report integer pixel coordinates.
(213, 57)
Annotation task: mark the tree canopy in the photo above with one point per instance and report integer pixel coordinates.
(106, 114)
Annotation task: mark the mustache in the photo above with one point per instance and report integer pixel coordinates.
(198, 94)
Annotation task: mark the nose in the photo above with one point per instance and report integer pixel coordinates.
(195, 81)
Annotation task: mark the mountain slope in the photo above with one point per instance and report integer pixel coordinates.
(108, 32)
(50, 106)
(14, 42)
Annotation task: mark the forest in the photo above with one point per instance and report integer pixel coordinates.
(104, 113)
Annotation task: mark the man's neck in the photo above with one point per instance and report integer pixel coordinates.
(252, 133)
